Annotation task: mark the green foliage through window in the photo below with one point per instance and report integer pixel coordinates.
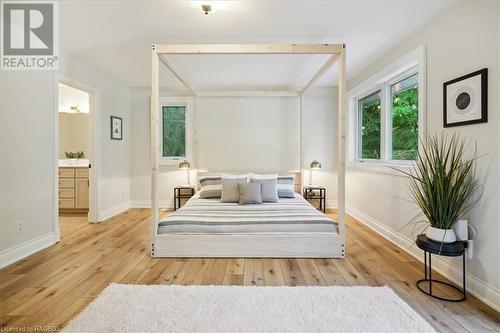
(404, 95)
(174, 131)
(369, 119)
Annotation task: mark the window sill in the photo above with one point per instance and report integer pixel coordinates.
(171, 161)
(387, 168)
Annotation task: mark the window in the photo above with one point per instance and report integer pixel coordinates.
(174, 131)
(404, 106)
(369, 126)
(174, 136)
(388, 121)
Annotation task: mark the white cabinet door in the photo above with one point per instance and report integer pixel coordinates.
(82, 193)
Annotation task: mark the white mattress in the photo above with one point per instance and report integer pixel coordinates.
(211, 216)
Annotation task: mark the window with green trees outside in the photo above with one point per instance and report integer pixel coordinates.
(174, 131)
(387, 121)
(404, 99)
(369, 126)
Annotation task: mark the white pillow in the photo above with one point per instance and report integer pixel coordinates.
(230, 176)
(264, 176)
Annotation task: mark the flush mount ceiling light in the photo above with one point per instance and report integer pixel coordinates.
(208, 7)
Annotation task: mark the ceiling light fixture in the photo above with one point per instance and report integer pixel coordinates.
(70, 109)
(206, 9)
(209, 7)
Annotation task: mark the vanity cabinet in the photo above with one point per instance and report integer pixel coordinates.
(73, 188)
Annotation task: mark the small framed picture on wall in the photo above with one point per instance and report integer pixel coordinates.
(465, 99)
(116, 128)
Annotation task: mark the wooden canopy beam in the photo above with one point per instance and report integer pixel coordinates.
(326, 66)
(168, 64)
(248, 93)
(248, 48)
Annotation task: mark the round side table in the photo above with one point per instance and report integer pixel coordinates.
(454, 249)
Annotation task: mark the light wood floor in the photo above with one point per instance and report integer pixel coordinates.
(54, 285)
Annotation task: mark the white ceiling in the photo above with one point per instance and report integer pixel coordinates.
(115, 37)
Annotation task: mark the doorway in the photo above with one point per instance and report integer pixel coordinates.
(76, 162)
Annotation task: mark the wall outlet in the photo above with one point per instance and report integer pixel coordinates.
(19, 226)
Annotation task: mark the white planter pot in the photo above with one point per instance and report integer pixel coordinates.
(441, 235)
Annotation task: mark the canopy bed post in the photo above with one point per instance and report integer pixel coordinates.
(155, 147)
(341, 142)
(301, 153)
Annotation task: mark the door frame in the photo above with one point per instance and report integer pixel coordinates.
(95, 148)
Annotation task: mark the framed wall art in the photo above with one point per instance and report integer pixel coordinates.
(116, 128)
(466, 99)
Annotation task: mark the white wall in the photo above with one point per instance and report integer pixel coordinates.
(74, 133)
(462, 40)
(320, 139)
(259, 134)
(27, 160)
(114, 180)
(241, 134)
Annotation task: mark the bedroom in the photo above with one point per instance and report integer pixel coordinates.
(250, 123)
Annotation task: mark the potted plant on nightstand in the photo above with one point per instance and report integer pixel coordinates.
(443, 184)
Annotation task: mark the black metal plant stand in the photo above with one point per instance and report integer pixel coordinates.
(454, 249)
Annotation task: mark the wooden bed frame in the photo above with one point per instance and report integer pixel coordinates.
(284, 246)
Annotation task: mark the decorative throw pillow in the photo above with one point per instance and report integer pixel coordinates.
(286, 186)
(250, 193)
(211, 187)
(230, 191)
(269, 188)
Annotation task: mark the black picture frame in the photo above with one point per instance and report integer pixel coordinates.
(118, 136)
(484, 99)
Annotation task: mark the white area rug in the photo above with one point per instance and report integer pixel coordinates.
(140, 308)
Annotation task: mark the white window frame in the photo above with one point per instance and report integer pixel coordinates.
(177, 101)
(411, 63)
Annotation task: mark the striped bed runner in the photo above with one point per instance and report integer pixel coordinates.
(210, 216)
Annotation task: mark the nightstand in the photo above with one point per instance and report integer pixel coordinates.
(314, 193)
(182, 192)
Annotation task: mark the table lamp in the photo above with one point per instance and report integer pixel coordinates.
(186, 166)
(314, 165)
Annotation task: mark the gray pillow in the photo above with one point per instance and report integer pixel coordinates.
(269, 188)
(211, 187)
(230, 192)
(286, 186)
(250, 193)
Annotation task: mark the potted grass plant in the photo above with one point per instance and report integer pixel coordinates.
(443, 184)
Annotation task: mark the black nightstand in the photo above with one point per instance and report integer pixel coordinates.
(454, 249)
(313, 193)
(182, 192)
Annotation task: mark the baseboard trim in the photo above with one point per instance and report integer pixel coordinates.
(164, 204)
(108, 213)
(332, 204)
(23, 250)
(480, 289)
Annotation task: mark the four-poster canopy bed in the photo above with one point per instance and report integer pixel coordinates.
(275, 244)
